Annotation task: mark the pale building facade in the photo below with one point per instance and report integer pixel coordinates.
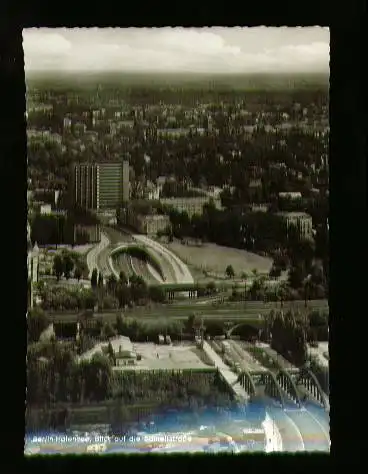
(191, 206)
(299, 220)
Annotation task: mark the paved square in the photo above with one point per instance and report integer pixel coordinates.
(155, 356)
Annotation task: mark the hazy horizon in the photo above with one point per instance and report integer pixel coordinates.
(194, 51)
(246, 82)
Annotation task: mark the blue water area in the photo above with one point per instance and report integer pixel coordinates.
(31, 435)
(45, 452)
(204, 423)
(318, 411)
(253, 412)
(122, 450)
(171, 420)
(320, 414)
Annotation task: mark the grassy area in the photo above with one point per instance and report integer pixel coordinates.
(46, 260)
(215, 258)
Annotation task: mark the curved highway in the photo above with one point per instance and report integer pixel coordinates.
(181, 271)
(173, 268)
(103, 262)
(132, 265)
(96, 257)
(123, 262)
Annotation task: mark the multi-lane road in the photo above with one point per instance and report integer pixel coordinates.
(96, 256)
(174, 269)
(251, 311)
(301, 429)
(181, 271)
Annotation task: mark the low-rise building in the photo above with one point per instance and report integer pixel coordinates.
(299, 220)
(263, 207)
(150, 224)
(290, 195)
(45, 209)
(191, 206)
(124, 351)
(172, 132)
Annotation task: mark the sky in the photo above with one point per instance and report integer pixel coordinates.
(178, 50)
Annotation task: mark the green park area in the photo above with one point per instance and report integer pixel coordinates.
(63, 263)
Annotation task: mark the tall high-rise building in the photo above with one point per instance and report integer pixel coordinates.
(98, 186)
(126, 181)
(84, 185)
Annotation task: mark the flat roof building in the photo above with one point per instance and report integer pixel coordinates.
(290, 195)
(300, 220)
(192, 205)
(150, 224)
(99, 185)
(124, 351)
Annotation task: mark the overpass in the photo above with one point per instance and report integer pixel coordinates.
(308, 386)
(289, 387)
(180, 281)
(168, 267)
(263, 384)
(129, 248)
(226, 373)
(300, 426)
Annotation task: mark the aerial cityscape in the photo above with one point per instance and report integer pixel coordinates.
(178, 240)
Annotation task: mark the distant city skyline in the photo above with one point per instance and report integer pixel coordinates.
(178, 50)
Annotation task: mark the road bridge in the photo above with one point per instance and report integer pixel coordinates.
(263, 384)
(256, 325)
(308, 386)
(297, 387)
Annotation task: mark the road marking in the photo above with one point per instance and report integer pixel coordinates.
(132, 266)
(320, 425)
(298, 432)
(175, 262)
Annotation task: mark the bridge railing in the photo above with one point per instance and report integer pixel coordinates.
(287, 383)
(272, 384)
(247, 382)
(321, 396)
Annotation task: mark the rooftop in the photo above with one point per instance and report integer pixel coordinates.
(121, 343)
(293, 214)
(290, 194)
(116, 342)
(173, 130)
